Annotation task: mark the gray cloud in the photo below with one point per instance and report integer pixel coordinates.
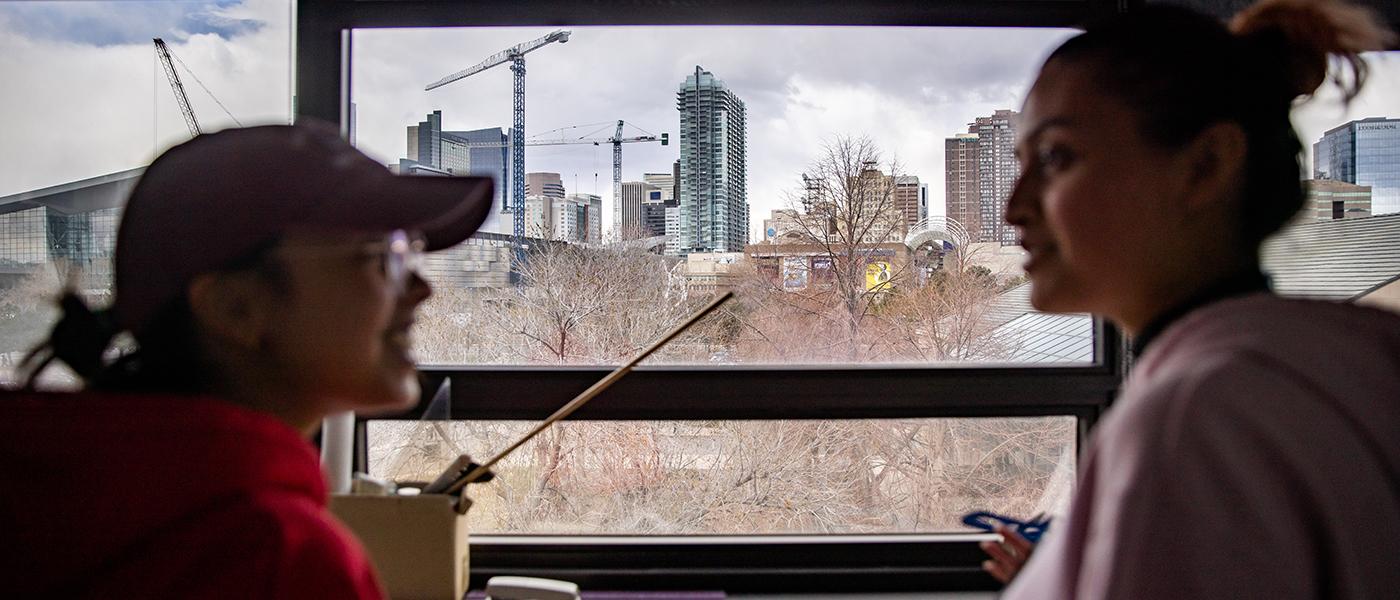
(107, 24)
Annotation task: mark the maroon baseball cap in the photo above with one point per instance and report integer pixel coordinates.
(210, 202)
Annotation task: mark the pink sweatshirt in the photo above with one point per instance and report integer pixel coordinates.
(1254, 453)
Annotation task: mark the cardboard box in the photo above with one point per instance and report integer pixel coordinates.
(418, 543)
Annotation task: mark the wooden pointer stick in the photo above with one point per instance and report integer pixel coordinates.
(589, 393)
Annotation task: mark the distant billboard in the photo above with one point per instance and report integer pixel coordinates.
(795, 273)
(877, 275)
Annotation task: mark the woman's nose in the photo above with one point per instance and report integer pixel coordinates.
(1020, 206)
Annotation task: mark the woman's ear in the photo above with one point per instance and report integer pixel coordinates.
(231, 307)
(1216, 161)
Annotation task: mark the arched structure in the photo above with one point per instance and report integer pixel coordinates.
(936, 228)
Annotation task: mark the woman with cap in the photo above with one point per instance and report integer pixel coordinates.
(1253, 452)
(267, 276)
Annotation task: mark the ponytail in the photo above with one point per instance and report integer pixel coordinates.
(167, 358)
(1306, 33)
(80, 339)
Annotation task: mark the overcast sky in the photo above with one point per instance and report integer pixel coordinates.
(84, 96)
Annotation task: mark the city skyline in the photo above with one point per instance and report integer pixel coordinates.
(910, 100)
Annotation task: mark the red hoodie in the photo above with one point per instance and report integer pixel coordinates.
(161, 496)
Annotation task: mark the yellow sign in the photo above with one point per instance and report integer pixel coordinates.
(877, 276)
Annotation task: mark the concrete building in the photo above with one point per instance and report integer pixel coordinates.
(544, 184)
(538, 215)
(782, 225)
(627, 216)
(960, 186)
(989, 178)
(576, 218)
(714, 207)
(666, 182)
(595, 216)
(910, 199)
(673, 228)
(1327, 200)
(709, 272)
(1365, 152)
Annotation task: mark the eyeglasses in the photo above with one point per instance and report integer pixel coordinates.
(403, 254)
(400, 254)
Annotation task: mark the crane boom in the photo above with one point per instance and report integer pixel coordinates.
(501, 57)
(178, 88)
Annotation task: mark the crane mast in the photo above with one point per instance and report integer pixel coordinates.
(515, 55)
(178, 88)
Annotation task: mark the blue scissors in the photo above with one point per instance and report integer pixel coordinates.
(1031, 529)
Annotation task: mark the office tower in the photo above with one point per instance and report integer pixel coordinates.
(1329, 200)
(653, 215)
(673, 228)
(478, 152)
(654, 207)
(627, 216)
(908, 200)
(714, 208)
(537, 217)
(1365, 152)
(923, 201)
(960, 183)
(593, 228)
(544, 184)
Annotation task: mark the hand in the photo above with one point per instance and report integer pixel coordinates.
(1008, 555)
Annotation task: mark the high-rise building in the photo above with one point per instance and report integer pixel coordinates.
(714, 207)
(477, 152)
(1365, 152)
(999, 169)
(960, 183)
(574, 218)
(673, 228)
(909, 199)
(544, 184)
(653, 210)
(627, 216)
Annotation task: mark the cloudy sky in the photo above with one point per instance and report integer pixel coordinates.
(83, 95)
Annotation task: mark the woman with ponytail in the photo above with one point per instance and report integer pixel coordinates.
(267, 276)
(1254, 451)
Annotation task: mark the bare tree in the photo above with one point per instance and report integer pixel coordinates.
(844, 212)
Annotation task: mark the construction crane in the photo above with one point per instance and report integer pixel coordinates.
(163, 54)
(616, 140)
(516, 56)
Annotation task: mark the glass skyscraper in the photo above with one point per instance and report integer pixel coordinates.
(1365, 152)
(714, 207)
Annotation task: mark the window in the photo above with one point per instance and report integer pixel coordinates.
(86, 107)
(700, 412)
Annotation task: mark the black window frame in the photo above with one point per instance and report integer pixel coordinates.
(733, 563)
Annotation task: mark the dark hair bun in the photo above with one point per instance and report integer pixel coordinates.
(1307, 32)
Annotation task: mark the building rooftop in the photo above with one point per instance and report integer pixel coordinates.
(83, 195)
(1340, 260)
(1334, 260)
